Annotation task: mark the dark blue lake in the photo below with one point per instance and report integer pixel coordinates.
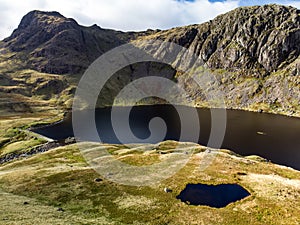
(274, 137)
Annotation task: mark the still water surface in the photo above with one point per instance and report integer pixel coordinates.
(217, 196)
(274, 137)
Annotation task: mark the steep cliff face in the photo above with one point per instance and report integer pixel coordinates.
(252, 51)
(255, 40)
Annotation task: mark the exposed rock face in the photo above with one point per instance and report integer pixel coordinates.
(255, 40)
(252, 51)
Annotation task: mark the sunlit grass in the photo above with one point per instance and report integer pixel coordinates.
(61, 178)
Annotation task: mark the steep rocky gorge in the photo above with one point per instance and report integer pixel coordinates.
(253, 52)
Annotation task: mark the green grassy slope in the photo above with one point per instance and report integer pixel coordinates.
(60, 178)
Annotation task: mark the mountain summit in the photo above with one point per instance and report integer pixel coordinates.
(56, 44)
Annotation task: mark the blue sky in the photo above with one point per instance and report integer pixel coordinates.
(262, 2)
(254, 2)
(126, 14)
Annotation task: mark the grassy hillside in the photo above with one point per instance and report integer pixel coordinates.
(60, 178)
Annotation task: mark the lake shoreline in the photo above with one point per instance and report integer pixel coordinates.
(257, 127)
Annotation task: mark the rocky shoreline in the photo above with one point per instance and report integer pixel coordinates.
(36, 150)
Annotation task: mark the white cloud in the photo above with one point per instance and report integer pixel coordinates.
(125, 14)
(117, 14)
(295, 4)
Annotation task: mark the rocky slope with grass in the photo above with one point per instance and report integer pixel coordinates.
(253, 52)
(52, 43)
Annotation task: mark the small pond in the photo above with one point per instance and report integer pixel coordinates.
(217, 196)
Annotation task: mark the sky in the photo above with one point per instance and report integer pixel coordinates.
(126, 14)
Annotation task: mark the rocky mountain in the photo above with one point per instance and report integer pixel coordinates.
(55, 44)
(255, 40)
(254, 54)
(252, 51)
